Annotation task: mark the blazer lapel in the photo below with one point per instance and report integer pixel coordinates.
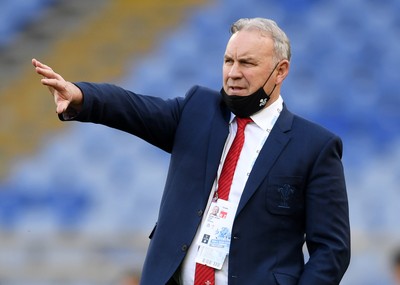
(218, 134)
(276, 142)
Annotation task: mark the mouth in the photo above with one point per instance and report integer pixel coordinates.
(235, 90)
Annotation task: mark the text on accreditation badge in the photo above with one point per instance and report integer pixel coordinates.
(215, 234)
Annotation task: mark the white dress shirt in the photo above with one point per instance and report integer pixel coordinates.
(256, 133)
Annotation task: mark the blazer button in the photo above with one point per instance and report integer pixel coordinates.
(184, 248)
(200, 213)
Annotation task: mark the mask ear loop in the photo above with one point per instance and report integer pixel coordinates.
(263, 102)
(276, 65)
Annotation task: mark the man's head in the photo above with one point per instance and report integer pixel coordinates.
(257, 55)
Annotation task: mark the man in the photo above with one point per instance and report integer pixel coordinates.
(277, 178)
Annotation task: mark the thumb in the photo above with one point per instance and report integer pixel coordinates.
(62, 107)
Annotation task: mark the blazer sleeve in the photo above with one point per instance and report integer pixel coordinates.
(327, 222)
(153, 119)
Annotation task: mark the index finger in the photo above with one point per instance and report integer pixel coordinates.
(37, 63)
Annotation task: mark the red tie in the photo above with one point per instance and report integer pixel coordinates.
(204, 274)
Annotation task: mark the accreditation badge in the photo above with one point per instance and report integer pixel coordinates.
(215, 234)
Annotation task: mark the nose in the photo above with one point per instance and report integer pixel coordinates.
(234, 71)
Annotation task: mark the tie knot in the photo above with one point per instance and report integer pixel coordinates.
(242, 122)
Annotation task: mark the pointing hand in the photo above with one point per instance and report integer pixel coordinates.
(65, 93)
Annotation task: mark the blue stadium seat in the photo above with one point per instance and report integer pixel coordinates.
(16, 14)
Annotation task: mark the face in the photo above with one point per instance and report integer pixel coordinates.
(248, 61)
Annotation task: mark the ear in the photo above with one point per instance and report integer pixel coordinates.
(283, 71)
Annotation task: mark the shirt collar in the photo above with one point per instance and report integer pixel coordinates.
(266, 116)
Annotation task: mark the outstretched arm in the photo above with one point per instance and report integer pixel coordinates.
(66, 94)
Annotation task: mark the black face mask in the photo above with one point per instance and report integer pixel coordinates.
(245, 106)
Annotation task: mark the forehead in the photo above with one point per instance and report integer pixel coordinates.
(249, 43)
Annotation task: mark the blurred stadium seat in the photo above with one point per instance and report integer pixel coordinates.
(15, 15)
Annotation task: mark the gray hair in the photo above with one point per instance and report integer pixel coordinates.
(267, 28)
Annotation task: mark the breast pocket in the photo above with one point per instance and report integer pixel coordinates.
(285, 195)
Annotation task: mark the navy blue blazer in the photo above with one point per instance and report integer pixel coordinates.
(295, 193)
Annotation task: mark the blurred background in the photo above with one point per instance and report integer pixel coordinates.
(77, 201)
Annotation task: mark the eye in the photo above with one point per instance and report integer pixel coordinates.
(228, 61)
(247, 63)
